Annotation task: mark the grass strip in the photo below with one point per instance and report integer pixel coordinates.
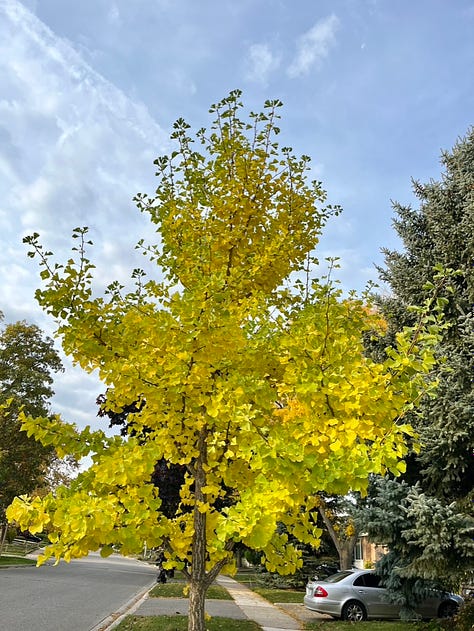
(175, 590)
(6, 561)
(180, 623)
(372, 625)
(280, 595)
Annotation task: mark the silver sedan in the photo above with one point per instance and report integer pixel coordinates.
(356, 595)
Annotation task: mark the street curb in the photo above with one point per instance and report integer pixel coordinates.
(7, 567)
(115, 618)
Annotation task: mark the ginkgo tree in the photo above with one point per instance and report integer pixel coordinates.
(240, 367)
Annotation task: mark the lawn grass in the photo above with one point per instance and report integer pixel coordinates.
(253, 580)
(247, 577)
(168, 590)
(280, 595)
(6, 561)
(371, 625)
(180, 623)
(175, 590)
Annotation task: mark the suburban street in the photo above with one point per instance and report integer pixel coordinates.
(69, 597)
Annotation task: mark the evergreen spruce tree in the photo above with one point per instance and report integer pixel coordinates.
(429, 514)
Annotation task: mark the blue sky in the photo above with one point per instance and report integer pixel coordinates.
(373, 91)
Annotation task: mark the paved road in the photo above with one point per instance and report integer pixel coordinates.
(69, 597)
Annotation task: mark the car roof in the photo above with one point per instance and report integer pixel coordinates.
(353, 572)
(356, 571)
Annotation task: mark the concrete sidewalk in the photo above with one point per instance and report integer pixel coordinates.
(270, 617)
(246, 605)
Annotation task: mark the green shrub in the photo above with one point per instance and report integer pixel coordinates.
(11, 534)
(253, 557)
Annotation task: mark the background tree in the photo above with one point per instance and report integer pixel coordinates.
(27, 363)
(437, 235)
(337, 513)
(167, 476)
(254, 379)
(27, 360)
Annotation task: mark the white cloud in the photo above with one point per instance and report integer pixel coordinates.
(313, 46)
(113, 15)
(261, 62)
(74, 150)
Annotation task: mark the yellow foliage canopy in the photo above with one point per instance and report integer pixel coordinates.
(250, 375)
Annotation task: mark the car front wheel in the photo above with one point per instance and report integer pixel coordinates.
(448, 609)
(354, 611)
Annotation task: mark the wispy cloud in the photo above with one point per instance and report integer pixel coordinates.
(67, 138)
(314, 46)
(261, 62)
(74, 150)
(113, 14)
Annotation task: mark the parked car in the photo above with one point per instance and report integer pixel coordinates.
(29, 537)
(356, 595)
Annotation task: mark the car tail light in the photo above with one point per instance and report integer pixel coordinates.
(320, 592)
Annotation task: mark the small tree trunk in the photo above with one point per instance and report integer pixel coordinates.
(200, 580)
(238, 557)
(344, 547)
(3, 536)
(197, 603)
(346, 552)
(198, 584)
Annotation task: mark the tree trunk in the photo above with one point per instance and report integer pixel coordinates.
(344, 547)
(3, 536)
(346, 552)
(238, 557)
(198, 584)
(197, 603)
(199, 579)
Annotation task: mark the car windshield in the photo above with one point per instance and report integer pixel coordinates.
(339, 576)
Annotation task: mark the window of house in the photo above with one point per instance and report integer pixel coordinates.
(358, 551)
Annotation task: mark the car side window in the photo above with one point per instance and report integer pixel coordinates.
(372, 580)
(339, 576)
(367, 580)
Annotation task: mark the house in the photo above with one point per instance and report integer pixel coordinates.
(366, 553)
